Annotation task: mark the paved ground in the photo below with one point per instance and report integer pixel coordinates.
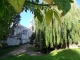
(23, 49)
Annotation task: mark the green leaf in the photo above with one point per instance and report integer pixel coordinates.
(1, 12)
(17, 4)
(49, 1)
(2, 9)
(38, 14)
(63, 5)
(71, 1)
(57, 17)
(49, 16)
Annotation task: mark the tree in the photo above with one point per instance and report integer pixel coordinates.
(6, 13)
(34, 6)
(59, 35)
(8, 10)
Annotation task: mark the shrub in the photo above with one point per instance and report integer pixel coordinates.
(32, 38)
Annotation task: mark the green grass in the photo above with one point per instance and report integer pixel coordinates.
(33, 48)
(67, 54)
(6, 50)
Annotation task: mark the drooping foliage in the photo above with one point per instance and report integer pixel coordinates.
(57, 35)
(6, 13)
(8, 10)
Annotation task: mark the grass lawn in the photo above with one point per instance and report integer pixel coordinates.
(6, 50)
(67, 54)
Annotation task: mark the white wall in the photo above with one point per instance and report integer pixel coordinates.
(25, 34)
(13, 41)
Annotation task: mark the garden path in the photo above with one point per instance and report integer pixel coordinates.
(23, 49)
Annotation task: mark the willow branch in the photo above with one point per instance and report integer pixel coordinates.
(41, 4)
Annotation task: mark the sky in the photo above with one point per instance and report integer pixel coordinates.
(27, 17)
(78, 2)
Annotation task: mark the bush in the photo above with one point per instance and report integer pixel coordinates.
(0, 45)
(32, 38)
(4, 45)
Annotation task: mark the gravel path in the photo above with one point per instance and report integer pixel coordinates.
(23, 49)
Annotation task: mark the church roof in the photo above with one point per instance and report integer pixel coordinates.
(21, 26)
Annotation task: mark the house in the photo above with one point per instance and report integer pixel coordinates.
(21, 35)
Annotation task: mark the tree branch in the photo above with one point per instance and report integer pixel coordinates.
(41, 4)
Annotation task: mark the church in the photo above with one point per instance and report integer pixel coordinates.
(21, 35)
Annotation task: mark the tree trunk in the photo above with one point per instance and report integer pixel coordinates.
(67, 43)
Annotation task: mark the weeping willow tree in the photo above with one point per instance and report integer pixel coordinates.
(55, 35)
(71, 25)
